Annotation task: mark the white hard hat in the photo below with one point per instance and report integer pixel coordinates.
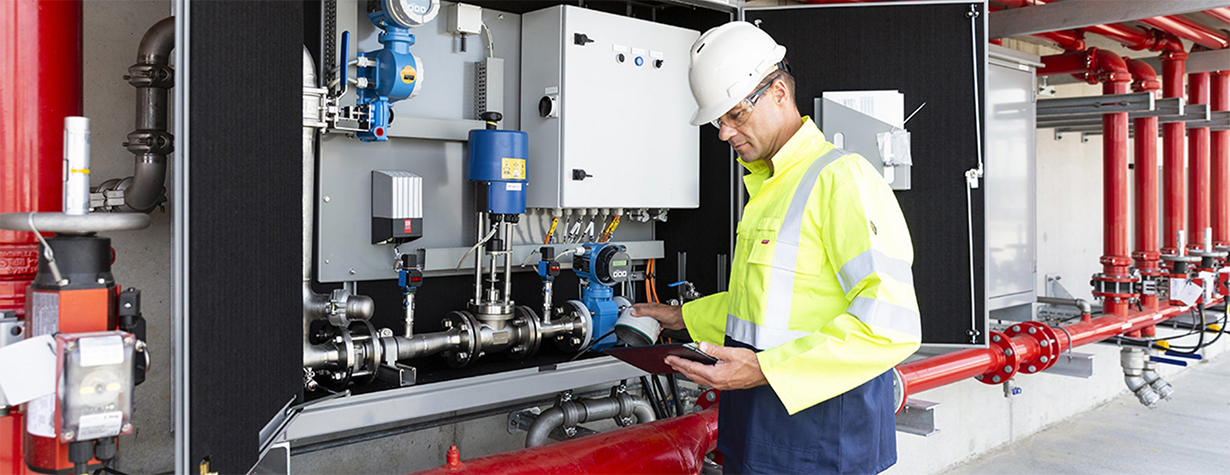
(727, 64)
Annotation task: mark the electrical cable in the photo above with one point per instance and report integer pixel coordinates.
(1200, 341)
(47, 252)
(490, 44)
(657, 385)
(475, 247)
(673, 382)
(647, 391)
(591, 344)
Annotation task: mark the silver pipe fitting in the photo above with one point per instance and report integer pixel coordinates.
(567, 413)
(1080, 304)
(1133, 362)
(1159, 385)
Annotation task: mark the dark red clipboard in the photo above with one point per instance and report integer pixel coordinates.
(652, 359)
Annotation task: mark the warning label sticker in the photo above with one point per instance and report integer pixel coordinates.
(408, 227)
(408, 74)
(512, 169)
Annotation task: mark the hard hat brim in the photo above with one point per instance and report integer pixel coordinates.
(704, 115)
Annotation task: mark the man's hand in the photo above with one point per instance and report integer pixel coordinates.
(671, 317)
(737, 368)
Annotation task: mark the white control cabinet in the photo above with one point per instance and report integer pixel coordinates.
(606, 103)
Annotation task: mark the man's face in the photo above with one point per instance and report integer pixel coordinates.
(752, 139)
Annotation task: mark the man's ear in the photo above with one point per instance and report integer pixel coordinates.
(780, 94)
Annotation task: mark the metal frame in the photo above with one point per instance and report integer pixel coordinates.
(917, 417)
(1070, 14)
(1198, 61)
(333, 417)
(1090, 105)
(179, 245)
(983, 114)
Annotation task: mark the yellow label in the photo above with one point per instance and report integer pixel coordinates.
(408, 74)
(512, 169)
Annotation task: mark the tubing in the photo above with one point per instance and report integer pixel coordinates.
(1173, 134)
(1198, 163)
(1222, 14)
(1146, 255)
(1115, 211)
(1219, 83)
(675, 445)
(1190, 30)
(150, 142)
(582, 411)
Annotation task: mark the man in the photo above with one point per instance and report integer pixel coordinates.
(821, 303)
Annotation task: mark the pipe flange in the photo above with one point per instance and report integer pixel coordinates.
(345, 356)
(1047, 341)
(1011, 352)
(1115, 286)
(157, 142)
(571, 341)
(372, 357)
(526, 323)
(467, 350)
(1180, 258)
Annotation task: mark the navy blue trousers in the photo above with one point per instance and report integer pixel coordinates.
(853, 433)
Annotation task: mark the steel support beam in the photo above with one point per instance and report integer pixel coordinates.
(1096, 105)
(1199, 61)
(1070, 14)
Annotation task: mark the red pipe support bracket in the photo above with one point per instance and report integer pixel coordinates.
(1173, 134)
(1197, 165)
(1219, 83)
(1145, 150)
(675, 445)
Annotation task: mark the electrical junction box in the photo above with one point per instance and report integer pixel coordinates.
(397, 206)
(465, 19)
(94, 385)
(606, 102)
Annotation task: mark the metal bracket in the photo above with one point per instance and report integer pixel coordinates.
(519, 421)
(399, 374)
(917, 417)
(1076, 365)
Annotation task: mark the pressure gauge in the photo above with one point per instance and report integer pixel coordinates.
(411, 13)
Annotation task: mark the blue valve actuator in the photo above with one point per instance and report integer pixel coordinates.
(498, 158)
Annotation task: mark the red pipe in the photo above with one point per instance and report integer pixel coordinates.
(1220, 151)
(1173, 134)
(1222, 14)
(936, 371)
(675, 445)
(1197, 164)
(1190, 30)
(40, 85)
(1145, 150)
(1115, 261)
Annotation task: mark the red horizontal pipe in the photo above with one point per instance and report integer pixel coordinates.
(936, 371)
(1131, 36)
(1219, 98)
(675, 445)
(1068, 40)
(1190, 30)
(1222, 14)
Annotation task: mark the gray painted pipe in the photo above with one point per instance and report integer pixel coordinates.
(583, 411)
(151, 142)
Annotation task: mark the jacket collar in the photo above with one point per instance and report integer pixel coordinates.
(799, 148)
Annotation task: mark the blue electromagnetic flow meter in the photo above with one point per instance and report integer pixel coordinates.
(392, 73)
(601, 266)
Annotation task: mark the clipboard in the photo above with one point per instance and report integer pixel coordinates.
(652, 359)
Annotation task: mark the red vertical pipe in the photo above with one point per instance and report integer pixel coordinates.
(1145, 150)
(40, 85)
(1173, 133)
(1115, 261)
(1197, 164)
(1219, 98)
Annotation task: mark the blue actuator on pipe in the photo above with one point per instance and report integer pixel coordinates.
(498, 159)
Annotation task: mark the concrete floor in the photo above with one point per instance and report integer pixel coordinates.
(1188, 434)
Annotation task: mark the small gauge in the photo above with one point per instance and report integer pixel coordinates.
(411, 13)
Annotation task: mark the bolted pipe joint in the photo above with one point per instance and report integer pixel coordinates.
(1133, 362)
(1159, 385)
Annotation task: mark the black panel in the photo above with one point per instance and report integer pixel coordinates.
(244, 219)
(924, 51)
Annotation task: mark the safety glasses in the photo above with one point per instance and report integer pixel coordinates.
(739, 114)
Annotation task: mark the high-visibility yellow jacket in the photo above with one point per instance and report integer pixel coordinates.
(821, 279)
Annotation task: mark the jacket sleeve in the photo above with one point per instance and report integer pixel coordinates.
(705, 318)
(866, 240)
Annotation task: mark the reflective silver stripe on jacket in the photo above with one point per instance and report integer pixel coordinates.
(872, 261)
(776, 328)
(886, 315)
(759, 337)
